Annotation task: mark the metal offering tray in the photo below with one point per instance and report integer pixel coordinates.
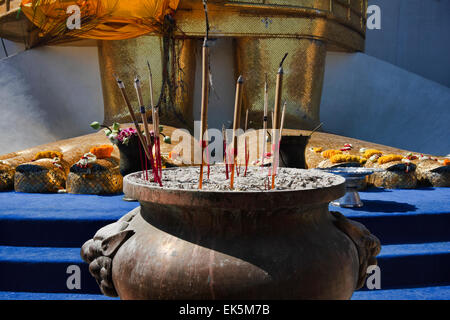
(353, 178)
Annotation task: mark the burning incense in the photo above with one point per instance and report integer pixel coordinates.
(137, 85)
(236, 126)
(247, 151)
(282, 120)
(133, 117)
(205, 93)
(155, 122)
(225, 151)
(265, 120)
(276, 126)
(273, 121)
(316, 128)
(207, 155)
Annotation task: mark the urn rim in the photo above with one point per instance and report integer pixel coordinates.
(272, 199)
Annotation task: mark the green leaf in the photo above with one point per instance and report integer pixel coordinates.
(116, 126)
(161, 128)
(167, 140)
(95, 125)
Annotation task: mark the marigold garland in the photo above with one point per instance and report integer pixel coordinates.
(103, 151)
(339, 158)
(371, 152)
(48, 155)
(330, 153)
(390, 158)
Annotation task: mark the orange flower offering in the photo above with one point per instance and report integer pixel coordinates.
(447, 162)
(371, 152)
(330, 153)
(339, 158)
(48, 155)
(390, 158)
(102, 152)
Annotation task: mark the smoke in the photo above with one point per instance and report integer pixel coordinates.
(23, 124)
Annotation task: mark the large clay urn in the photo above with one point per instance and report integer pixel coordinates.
(183, 244)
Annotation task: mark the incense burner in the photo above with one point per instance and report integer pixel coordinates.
(189, 244)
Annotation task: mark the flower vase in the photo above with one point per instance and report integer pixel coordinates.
(131, 156)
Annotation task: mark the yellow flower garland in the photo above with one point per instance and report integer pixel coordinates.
(340, 158)
(330, 153)
(317, 150)
(371, 152)
(48, 155)
(390, 158)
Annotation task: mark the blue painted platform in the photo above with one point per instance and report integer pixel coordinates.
(40, 236)
(56, 220)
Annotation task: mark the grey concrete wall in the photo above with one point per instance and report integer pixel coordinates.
(366, 98)
(47, 94)
(221, 101)
(415, 36)
(11, 48)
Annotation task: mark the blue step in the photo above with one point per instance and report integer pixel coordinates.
(425, 293)
(31, 269)
(414, 265)
(44, 269)
(6, 295)
(404, 216)
(56, 220)
(40, 236)
(64, 220)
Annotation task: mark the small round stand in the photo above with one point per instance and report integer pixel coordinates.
(353, 177)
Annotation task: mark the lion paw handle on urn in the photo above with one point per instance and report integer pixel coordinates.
(99, 251)
(367, 244)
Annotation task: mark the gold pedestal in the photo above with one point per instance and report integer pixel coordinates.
(263, 32)
(128, 58)
(304, 70)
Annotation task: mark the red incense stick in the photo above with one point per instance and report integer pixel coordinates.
(157, 172)
(137, 85)
(246, 151)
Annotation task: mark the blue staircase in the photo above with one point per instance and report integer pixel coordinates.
(41, 236)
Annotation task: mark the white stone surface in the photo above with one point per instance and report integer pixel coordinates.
(48, 94)
(369, 99)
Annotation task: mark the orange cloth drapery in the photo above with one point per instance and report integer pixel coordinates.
(100, 19)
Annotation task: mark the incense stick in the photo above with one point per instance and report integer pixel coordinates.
(317, 128)
(205, 92)
(236, 126)
(275, 141)
(273, 122)
(204, 107)
(265, 120)
(155, 123)
(225, 151)
(137, 85)
(282, 120)
(247, 152)
(133, 117)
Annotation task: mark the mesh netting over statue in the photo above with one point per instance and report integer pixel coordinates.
(41, 176)
(102, 178)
